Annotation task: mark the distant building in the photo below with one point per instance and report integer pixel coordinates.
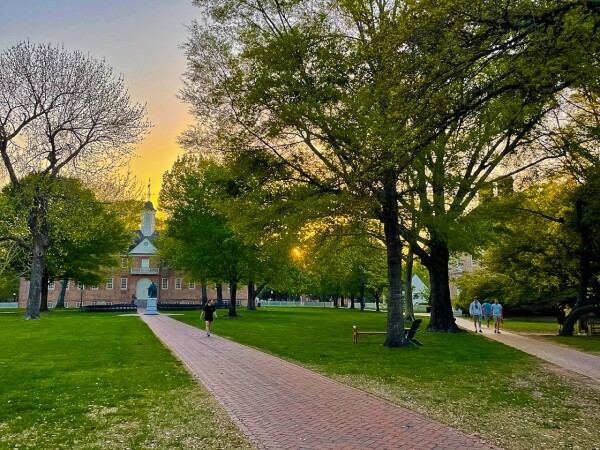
(139, 267)
(464, 263)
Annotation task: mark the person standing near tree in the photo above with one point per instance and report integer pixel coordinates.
(210, 313)
(475, 311)
(498, 315)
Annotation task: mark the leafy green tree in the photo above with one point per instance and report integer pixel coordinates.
(60, 113)
(197, 237)
(85, 238)
(347, 95)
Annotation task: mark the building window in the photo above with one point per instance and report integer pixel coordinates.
(80, 286)
(192, 285)
(473, 262)
(123, 284)
(109, 283)
(68, 284)
(124, 262)
(94, 287)
(177, 283)
(94, 303)
(66, 304)
(79, 304)
(50, 304)
(108, 303)
(51, 286)
(164, 283)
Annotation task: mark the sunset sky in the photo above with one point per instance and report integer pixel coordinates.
(139, 38)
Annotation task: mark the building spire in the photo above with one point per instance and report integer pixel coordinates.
(148, 188)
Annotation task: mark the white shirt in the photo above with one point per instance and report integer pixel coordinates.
(475, 308)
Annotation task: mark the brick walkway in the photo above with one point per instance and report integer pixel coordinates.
(280, 405)
(567, 358)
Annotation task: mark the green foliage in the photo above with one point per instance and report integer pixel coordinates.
(197, 237)
(85, 237)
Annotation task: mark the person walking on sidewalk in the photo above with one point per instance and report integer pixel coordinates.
(498, 315)
(475, 311)
(210, 313)
(487, 311)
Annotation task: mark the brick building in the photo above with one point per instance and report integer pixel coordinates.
(139, 267)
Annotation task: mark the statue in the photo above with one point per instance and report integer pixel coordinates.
(152, 290)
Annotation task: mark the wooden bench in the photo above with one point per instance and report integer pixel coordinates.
(409, 333)
(594, 327)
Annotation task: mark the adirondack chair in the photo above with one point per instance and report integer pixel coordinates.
(410, 332)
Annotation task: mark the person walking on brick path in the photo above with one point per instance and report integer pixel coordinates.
(487, 311)
(498, 315)
(475, 312)
(210, 313)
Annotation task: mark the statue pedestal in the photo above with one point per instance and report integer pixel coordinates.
(151, 307)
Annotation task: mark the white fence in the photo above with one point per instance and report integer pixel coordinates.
(9, 305)
(297, 304)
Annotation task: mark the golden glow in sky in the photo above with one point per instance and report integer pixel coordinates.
(138, 38)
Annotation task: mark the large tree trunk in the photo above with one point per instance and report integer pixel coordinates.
(251, 306)
(60, 303)
(351, 301)
(38, 262)
(408, 290)
(44, 296)
(442, 317)
(255, 293)
(390, 219)
(574, 316)
(232, 299)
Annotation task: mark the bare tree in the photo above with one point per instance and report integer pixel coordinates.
(60, 113)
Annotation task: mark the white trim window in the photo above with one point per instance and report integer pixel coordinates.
(108, 303)
(192, 285)
(66, 304)
(110, 283)
(51, 286)
(94, 303)
(123, 284)
(79, 304)
(94, 287)
(68, 285)
(164, 283)
(50, 305)
(124, 262)
(178, 283)
(80, 286)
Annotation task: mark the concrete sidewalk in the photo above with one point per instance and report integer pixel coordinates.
(280, 405)
(574, 360)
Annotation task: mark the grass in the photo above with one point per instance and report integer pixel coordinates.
(459, 379)
(100, 381)
(546, 328)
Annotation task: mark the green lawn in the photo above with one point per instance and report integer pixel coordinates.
(100, 381)
(475, 384)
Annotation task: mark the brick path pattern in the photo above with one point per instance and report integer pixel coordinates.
(280, 405)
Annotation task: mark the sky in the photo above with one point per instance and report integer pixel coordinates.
(139, 39)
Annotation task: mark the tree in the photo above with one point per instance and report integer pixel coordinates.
(60, 112)
(348, 96)
(197, 238)
(85, 237)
